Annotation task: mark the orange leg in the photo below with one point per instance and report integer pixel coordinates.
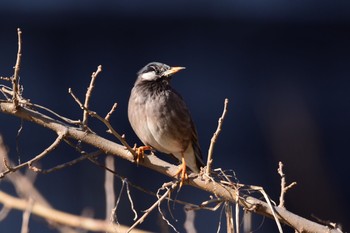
(140, 152)
(182, 171)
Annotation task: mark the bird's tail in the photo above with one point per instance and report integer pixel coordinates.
(198, 153)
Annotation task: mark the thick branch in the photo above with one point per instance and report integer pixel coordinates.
(154, 163)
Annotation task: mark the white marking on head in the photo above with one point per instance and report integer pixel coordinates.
(151, 75)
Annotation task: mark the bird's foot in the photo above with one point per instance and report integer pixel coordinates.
(182, 172)
(140, 152)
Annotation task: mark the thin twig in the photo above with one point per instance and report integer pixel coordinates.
(109, 114)
(70, 91)
(215, 137)
(71, 163)
(36, 158)
(220, 219)
(166, 186)
(130, 199)
(5, 90)
(114, 216)
(88, 95)
(284, 188)
(149, 210)
(67, 120)
(204, 205)
(5, 78)
(15, 79)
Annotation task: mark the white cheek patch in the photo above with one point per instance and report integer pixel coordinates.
(149, 76)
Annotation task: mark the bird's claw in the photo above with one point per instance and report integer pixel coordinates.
(182, 172)
(140, 152)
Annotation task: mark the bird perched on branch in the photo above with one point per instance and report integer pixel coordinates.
(161, 119)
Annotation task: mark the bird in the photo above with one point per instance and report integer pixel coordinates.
(161, 119)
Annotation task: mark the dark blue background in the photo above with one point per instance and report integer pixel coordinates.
(285, 67)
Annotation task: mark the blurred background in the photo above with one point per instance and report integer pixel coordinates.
(285, 67)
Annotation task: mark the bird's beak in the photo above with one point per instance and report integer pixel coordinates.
(173, 70)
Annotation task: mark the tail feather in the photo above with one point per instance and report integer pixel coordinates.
(198, 153)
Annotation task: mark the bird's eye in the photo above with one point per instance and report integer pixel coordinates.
(152, 68)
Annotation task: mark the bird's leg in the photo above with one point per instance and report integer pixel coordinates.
(182, 170)
(140, 152)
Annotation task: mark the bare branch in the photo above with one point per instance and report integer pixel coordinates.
(215, 137)
(284, 188)
(109, 114)
(130, 199)
(172, 187)
(60, 217)
(70, 163)
(70, 91)
(5, 78)
(156, 164)
(15, 78)
(88, 95)
(67, 120)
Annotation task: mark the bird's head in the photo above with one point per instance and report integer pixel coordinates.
(155, 71)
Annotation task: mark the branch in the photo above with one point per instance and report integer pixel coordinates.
(88, 94)
(284, 188)
(158, 165)
(60, 217)
(215, 137)
(15, 86)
